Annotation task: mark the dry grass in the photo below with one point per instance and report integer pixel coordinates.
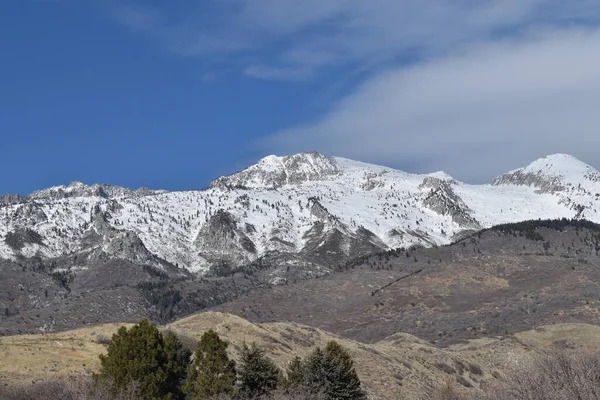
(581, 334)
(401, 366)
(31, 358)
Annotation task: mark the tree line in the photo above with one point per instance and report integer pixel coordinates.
(148, 364)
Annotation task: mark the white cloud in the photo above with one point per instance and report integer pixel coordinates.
(471, 86)
(491, 108)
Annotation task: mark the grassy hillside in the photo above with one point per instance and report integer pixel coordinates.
(400, 366)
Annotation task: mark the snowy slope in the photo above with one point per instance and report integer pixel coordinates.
(321, 209)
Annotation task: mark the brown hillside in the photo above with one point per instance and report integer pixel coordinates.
(400, 366)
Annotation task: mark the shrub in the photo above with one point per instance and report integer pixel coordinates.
(102, 339)
(556, 375)
(446, 368)
(464, 381)
(71, 389)
(475, 369)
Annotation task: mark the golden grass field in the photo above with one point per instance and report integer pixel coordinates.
(398, 366)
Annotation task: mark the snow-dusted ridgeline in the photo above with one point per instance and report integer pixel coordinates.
(295, 204)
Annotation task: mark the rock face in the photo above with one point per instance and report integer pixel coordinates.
(221, 240)
(22, 236)
(440, 198)
(306, 209)
(11, 199)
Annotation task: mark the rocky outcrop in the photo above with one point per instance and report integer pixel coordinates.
(274, 172)
(330, 242)
(29, 214)
(128, 246)
(12, 199)
(21, 237)
(78, 189)
(372, 181)
(104, 241)
(221, 240)
(440, 198)
(544, 183)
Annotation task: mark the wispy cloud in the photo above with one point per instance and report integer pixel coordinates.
(470, 86)
(140, 19)
(474, 114)
(311, 35)
(277, 73)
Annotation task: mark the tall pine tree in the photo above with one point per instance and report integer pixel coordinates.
(178, 361)
(341, 377)
(258, 375)
(212, 372)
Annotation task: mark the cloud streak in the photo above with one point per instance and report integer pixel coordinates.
(496, 106)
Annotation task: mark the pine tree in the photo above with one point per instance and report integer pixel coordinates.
(141, 355)
(329, 372)
(212, 372)
(314, 378)
(258, 375)
(178, 360)
(295, 373)
(341, 377)
(306, 376)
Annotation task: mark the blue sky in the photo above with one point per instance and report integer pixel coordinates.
(172, 94)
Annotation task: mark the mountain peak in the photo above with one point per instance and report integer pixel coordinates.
(274, 171)
(551, 173)
(558, 164)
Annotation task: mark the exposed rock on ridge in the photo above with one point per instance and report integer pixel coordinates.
(274, 172)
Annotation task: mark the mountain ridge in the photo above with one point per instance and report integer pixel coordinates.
(307, 207)
(78, 188)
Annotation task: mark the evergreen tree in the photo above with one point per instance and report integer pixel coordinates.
(141, 356)
(306, 376)
(295, 373)
(212, 372)
(258, 375)
(178, 360)
(314, 378)
(329, 372)
(341, 377)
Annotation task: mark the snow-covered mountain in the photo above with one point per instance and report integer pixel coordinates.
(304, 209)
